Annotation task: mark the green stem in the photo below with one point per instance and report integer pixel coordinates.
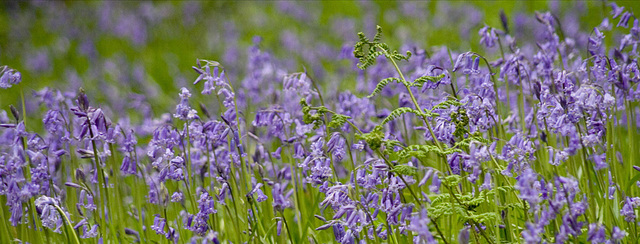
(66, 219)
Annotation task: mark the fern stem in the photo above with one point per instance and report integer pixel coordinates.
(413, 99)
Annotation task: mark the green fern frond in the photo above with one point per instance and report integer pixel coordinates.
(451, 101)
(382, 84)
(399, 112)
(419, 82)
(337, 120)
(374, 138)
(404, 169)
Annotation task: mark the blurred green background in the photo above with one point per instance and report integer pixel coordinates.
(116, 48)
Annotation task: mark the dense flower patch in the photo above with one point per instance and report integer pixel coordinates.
(537, 144)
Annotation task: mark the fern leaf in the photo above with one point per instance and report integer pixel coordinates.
(399, 112)
(337, 120)
(382, 84)
(424, 79)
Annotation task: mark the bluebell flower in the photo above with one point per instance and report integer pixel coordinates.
(628, 209)
(419, 224)
(9, 77)
(617, 234)
(596, 233)
(183, 110)
(488, 36)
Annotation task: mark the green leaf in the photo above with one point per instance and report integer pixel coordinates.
(374, 138)
(419, 151)
(451, 101)
(404, 170)
(438, 210)
(399, 112)
(452, 180)
(337, 120)
(382, 84)
(419, 82)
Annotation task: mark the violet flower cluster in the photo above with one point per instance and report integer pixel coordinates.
(528, 141)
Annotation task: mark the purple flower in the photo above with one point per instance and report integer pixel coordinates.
(526, 185)
(615, 10)
(183, 110)
(176, 196)
(159, 225)
(488, 36)
(463, 236)
(280, 198)
(596, 234)
(435, 184)
(624, 20)
(9, 77)
(336, 145)
(279, 227)
(532, 234)
(600, 161)
(628, 209)
(487, 182)
(617, 234)
(211, 80)
(419, 224)
(261, 196)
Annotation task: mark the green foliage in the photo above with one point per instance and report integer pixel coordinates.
(374, 138)
(399, 112)
(389, 148)
(465, 207)
(461, 120)
(421, 151)
(451, 101)
(382, 84)
(452, 180)
(316, 118)
(337, 120)
(436, 211)
(404, 169)
(419, 82)
(465, 143)
(368, 51)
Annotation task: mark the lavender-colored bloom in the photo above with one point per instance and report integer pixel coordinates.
(159, 225)
(419, 224)
(128, 166)
(212, 80)
(600, 161)
(261, 196)
(426, 177)
(435, 184)
(463, 236)
(336, 145)
(48, 213)
(616, 10)
(279, 227)
(276, 153)
(488, 36)
(487, 182)
(177, 196)
(596, 234)
(532, 234)
(183, 110)
(624, 20)
(635, 30)
(280, 198)
(527, 182)
(628, 209)
(9, 77)
(617, 234)
(89, 232)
